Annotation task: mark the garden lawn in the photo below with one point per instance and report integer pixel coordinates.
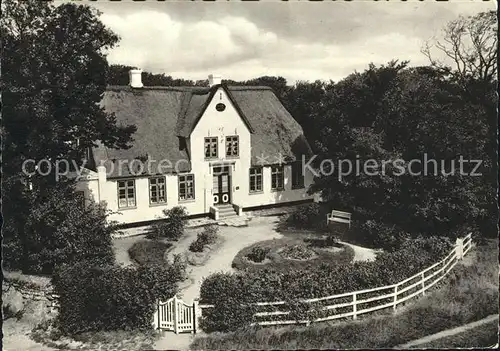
(468, 294)
(479, 337)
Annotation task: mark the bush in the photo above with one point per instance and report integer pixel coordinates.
(172, 227)
(258, 254)
(147, 252)
(57, 229)
(308, 217)
(376, 234)
(297, 252)
(320, 279)
(207, 237)
(94, 298)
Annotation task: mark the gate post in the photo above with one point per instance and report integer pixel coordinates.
(176, 315)
(196, 314)
(156, 316)
(459, 248)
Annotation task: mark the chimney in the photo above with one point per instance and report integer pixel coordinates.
(135, 76)
(214, 79)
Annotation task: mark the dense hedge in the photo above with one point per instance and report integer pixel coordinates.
(149, 252)
(94, 298)
(229, 291)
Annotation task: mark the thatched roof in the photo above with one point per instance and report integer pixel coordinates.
(166, 115)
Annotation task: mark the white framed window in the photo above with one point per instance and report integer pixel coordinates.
(232, 146)
(186, 187)
(157, 190)
(277, 178)
(211, 146)
(255, 179)
(126, 193)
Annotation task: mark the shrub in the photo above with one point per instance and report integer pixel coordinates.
(379, 235)
(172, 227)
(307, 217)
(94, 298)
(297, 252)
(320, 279)
(258, 254)
(207, 237)
(148, 252)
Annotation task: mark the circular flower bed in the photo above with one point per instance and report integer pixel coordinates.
(291, 253)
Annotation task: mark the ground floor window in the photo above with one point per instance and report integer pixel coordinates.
(126, 193)
(157, 190)
(186, 187)
(297, 176)
(277, 178)
(255, 179)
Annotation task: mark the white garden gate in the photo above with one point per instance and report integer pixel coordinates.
(175, 315)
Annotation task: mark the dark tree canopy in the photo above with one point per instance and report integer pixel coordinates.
(53, 65)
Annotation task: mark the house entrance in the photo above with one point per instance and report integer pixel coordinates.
(221, 185)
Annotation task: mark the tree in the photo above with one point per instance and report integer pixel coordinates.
(471, 44)
(392, 112)
(54, 64)
(118, 75)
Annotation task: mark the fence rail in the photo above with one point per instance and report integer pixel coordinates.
(389, 295)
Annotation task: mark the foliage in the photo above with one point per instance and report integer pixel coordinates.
(172, 226)
(149, 252)
(101, 298)
(297, 252)
(60, 230)
(307, 217)
(53, 65)
(207, 237)
(376, 234)
(258, 253)
(469, 294)
(320, 279)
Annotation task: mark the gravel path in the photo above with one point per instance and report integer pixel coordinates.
(362, 253)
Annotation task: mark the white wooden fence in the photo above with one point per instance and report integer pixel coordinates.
(360, 302)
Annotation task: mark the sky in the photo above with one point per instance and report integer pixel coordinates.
(297, 40)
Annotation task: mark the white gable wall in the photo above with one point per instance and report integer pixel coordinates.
(220, 124)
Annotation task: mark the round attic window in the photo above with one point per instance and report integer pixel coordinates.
(220, 107)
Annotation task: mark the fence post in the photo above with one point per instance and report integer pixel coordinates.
(395, 300)
(459, 248)
(196, 315)
(354, 307)
(423, 283)
(176, 317)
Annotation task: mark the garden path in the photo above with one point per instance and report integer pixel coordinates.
(16, 337)
(362, 253)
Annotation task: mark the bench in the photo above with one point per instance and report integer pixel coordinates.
(339, 217)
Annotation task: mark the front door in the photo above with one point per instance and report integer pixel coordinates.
(221, 185)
